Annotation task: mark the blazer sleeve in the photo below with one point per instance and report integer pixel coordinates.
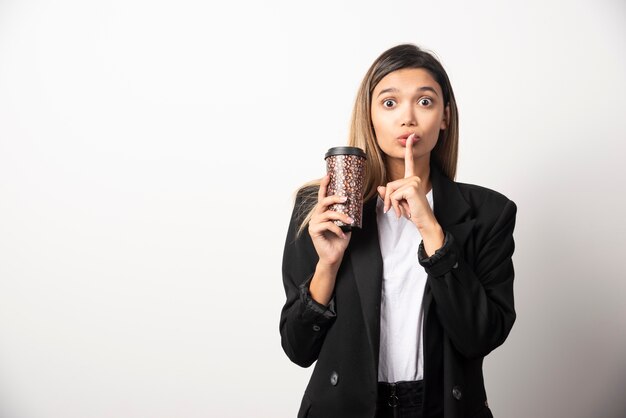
(475, 305)
(304, 323)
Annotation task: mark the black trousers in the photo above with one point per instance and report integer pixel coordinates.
(400, 399)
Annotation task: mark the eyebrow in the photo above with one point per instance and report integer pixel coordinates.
(395, 90)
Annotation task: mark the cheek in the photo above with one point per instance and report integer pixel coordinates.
(379, 121)
(433, 121)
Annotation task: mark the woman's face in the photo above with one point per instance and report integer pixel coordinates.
(408, 101)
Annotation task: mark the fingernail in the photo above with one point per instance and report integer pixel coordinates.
(343, 236)
(344, 198)
(350, 220)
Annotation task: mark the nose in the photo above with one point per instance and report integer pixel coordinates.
(408, 116)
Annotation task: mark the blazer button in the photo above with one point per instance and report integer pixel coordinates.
(334, 378)
(456, 392)
(455, 265)
(316, 328)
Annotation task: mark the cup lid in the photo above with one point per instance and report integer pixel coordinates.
(345, 151)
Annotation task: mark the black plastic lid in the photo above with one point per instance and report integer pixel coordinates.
(345, 151)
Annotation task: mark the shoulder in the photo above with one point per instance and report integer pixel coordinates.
(484, 200)
(481, 193)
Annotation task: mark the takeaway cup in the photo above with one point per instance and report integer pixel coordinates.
(346, 168)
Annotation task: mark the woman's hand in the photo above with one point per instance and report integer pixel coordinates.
(329, 240)
(407, 196)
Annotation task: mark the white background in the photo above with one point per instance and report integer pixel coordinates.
(148, 155)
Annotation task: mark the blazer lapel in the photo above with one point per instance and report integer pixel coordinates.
(454, 215)
(367, 264)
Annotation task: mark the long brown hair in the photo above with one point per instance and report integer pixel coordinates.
(445, 152)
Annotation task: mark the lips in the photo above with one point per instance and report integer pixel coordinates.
(402, 138)
(406, 135)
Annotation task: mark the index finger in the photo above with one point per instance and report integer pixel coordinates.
(408, 157)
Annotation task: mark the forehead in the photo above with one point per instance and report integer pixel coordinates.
(407, 79)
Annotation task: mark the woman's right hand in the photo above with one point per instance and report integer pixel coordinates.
(329, 240)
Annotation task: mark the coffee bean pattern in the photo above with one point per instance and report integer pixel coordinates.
(347, 176)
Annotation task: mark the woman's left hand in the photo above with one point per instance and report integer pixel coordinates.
(407, 196)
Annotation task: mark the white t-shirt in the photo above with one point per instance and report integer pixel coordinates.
(401, 313)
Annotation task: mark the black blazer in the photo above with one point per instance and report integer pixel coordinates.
(468, 305)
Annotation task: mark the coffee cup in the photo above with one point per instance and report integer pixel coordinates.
(346, 168)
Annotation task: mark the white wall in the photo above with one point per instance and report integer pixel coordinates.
(144, 193)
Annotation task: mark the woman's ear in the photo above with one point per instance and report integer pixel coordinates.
(446, 117)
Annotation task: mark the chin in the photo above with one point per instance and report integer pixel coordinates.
(395, 155)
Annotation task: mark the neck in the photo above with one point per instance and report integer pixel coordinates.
(421, 168)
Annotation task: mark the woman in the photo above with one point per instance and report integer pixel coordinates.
(399, 314)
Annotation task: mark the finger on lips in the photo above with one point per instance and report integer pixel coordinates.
(400, 206)
(408, 157)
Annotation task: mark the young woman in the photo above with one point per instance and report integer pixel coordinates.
(399, 314)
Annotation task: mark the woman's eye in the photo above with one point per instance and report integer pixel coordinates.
(425, 101)
(388, 103)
